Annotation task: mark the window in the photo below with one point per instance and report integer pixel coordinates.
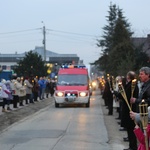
(72, 79)
(4, 67)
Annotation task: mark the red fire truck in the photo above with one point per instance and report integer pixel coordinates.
(72, 85)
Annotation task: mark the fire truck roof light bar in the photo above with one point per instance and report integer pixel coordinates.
(73, 66)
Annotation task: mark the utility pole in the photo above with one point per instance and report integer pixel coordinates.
(44, 41)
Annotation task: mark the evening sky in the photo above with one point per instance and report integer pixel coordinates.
(72, 26)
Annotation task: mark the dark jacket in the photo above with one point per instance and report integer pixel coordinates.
(126, 121)
(107, 92)
(36, 87)
(145, 93)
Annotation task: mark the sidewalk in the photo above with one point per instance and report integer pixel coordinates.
(8, 118)
(11, 107)
(115, 136)
(19, 107)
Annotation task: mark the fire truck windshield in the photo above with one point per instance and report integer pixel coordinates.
(72, 79)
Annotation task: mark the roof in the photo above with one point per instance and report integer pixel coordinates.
(142, 41)
(52, 56)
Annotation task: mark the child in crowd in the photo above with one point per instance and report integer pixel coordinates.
(139, 132)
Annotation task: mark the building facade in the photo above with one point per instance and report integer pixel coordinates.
(9, 61)
(143, 42)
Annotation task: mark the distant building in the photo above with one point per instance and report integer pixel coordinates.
(8, 61)
(142, 41)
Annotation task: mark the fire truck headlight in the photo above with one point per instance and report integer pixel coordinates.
(68, 94)
(59, 94)
(83, 94)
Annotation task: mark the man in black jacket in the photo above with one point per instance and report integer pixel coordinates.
(126, 121)
(144, 76)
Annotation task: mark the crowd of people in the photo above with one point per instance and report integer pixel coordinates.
(21, 91)
(120, 93)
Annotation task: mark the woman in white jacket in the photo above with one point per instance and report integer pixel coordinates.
(22, 91)
(4, 94)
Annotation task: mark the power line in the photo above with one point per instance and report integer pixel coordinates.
(20, 35)
(54, 34)
(70, 38)
(65, 32)
(71, 33)
(19, 31)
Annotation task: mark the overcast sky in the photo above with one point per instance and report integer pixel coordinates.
(72, 26)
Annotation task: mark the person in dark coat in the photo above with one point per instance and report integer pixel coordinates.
(145, 90)
(35, 89)
(104, 96)
(108, 96)
(52, 87)
(126, 121)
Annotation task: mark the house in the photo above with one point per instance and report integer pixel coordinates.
(142, 41)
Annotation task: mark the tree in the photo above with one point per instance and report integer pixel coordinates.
(101, 63)
(118, 52)
(106, 42)
(121, 47)
(125, 65)
(116, 43)
(31, 65)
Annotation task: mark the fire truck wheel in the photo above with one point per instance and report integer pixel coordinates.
(56, 104)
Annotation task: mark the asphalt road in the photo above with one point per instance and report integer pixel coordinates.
(41, 126)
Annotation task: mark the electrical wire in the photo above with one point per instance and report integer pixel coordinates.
(79, 34)
(71, 37)
(65, 32)
(16, 35)
(20, 31)
(58, 33)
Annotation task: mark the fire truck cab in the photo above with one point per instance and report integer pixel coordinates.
(72, 85)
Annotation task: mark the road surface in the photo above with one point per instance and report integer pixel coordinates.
(72, 127)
